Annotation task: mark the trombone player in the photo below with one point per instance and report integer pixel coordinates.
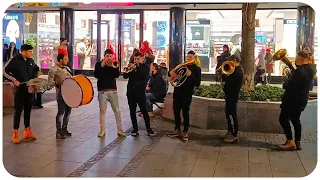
(106, 71)
(182, 95)
(233, 81)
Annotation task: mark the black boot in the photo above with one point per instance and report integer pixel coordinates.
(298, 145)
(66, 132)
(60, 135)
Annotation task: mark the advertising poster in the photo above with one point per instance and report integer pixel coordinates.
(127, 24)
(12, 29)
(162, 35)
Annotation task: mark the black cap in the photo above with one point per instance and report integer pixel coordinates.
(234, 57)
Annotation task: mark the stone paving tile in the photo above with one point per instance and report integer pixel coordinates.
(97, 174)
(57, 169)
(177, 170)
(259, 170)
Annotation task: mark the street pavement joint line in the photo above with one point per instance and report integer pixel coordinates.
(97, 157)
(214, 171)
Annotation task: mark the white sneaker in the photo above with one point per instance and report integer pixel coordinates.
(102, 133)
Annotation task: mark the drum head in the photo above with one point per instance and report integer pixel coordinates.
(71, 93)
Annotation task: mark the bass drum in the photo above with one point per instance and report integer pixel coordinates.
(77, 91)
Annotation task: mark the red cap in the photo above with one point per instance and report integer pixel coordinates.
(268, 50)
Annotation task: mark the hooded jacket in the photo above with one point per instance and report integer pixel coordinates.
(297, 88)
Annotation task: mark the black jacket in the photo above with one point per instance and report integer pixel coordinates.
(106, 76)
(157, 86)
(233, 82)
(20, 69)
(14, 53)
(137, 80)
(222, 58)
(186, 90)
(297, 87)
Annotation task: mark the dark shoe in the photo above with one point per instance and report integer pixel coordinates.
(150, 132)
(177, 133)
(231, 139)
(66, 132)
(60, 135)
(134, 132)
(298, 145)
(40, 107)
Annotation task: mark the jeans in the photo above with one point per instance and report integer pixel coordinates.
(22, 101)
(286, 116)
(184, 104)
(112, 97)
(149, 97)
(133, 100)
(63, 110)
(231, 113)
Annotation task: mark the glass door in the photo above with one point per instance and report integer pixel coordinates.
(120, 31)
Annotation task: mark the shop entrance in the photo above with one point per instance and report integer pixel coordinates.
(121, 31)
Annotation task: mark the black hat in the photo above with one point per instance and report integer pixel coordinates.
(235, 58)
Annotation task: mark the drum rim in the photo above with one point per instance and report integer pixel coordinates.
(80, 90)
(91, 88)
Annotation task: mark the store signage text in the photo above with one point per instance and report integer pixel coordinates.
(201, 22)
(290, 21)
(11, 17)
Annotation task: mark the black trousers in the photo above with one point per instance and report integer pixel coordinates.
(36, 99)
(231, 113)
(181, 103)
(22, 101)
(133, 100)
(286, 116)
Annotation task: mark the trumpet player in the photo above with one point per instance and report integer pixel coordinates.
(106, 72)
(182, 95)
(138, 76)
(231, 90)
(295, 99)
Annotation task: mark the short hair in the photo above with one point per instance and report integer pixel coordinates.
(138, 54)
(83, 39)
(26, 47)
(60, 57)
(108, 51)
(156, 66)
(63, 39)
(303, 54)
(163, 64)
(191, 52)
(225, 46)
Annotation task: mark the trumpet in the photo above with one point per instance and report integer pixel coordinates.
(181, 70)
(131, 67)
(115, 64)
(227, 67)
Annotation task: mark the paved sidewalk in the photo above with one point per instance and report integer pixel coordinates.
(86, 155)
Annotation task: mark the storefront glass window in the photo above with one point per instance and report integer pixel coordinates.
(208, 31)
(156, 32)
(85, 47)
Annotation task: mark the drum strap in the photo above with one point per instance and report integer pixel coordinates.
(67, 70)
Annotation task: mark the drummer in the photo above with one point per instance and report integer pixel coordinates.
(56, 76)
(19, 70)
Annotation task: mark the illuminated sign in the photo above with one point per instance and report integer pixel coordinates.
(40, 4)
(106, 4)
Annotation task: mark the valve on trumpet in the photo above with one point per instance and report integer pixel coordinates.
(131, 67)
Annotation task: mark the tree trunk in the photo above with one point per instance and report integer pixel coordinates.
(248, 44)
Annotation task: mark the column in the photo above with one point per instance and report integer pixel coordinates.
(176, 36)
(67, 30)
(278, 33)
(305, 28)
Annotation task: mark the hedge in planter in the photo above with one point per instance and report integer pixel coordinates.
(261, 93)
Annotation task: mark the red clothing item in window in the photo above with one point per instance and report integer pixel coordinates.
(63, 51)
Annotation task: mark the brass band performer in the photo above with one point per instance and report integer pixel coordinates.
(106, 72)
(182, 95)
(232, 86)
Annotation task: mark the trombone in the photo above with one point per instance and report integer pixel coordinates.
(227, 68)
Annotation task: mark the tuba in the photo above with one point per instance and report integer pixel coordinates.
(227, 68)
(181, 70)
(281, 55)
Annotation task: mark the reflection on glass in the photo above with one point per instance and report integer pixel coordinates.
(156, 32)
(109, 33)
(130, 35)
(85, 47)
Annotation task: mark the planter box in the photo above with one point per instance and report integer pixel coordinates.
(253, 116)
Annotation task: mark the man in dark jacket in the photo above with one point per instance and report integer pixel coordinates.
(136, 92)
(232, 86)
(21, 69)
(107, 88)
(182, 96)
(164, 72)
(156, 89)
(294, 100)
